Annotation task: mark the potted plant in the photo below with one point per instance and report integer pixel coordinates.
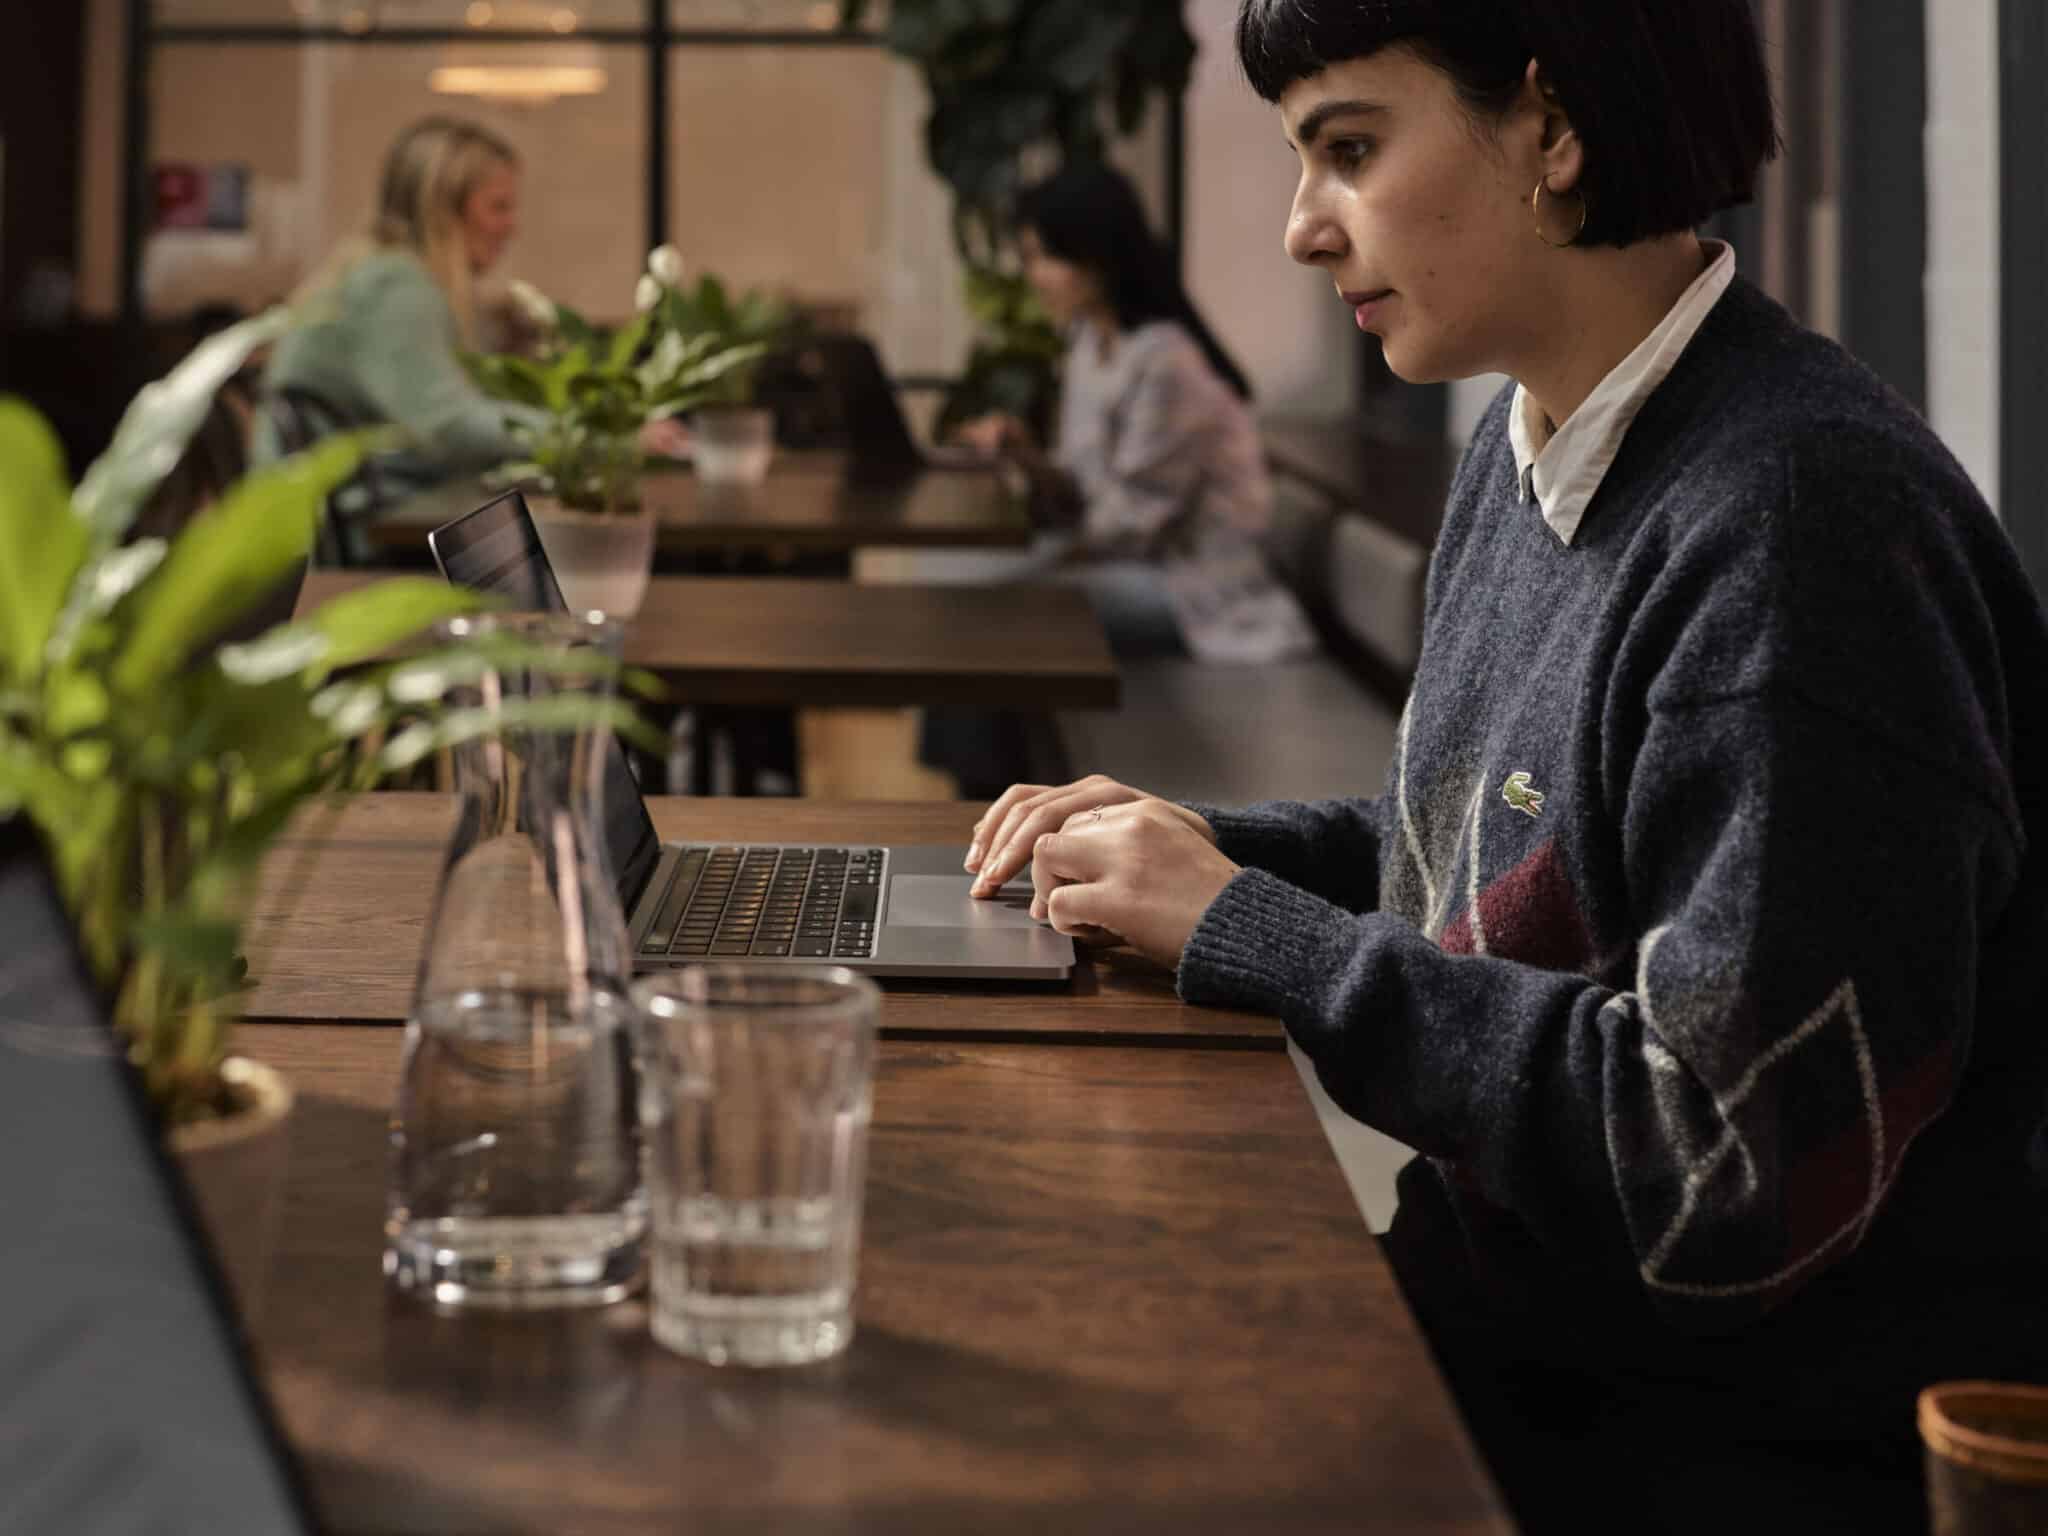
(733, 437)
(598, 392)
(159, 764)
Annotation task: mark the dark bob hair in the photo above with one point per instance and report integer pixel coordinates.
(1669, 97)
(1088, 214)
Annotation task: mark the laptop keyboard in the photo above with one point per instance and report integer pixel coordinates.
(800, 903)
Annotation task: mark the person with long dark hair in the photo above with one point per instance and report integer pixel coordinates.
(1699, 938)
(1156, 484)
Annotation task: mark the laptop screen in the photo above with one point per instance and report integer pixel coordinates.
(126, 1401)
(497, 549)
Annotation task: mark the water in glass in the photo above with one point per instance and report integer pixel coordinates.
(757, 1119)
(515, 1170)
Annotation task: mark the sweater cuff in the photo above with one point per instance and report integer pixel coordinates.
(1260, 946)
(1249, 835)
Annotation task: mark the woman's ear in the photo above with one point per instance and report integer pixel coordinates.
(1564, 157)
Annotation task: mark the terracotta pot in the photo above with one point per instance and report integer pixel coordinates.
(601, 559)
(235, 1166)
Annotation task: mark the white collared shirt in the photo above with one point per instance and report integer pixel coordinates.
(1563, 468)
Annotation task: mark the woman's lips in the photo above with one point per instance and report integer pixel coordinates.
(1365, 305)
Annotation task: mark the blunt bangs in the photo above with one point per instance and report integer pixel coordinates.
(1283, 42)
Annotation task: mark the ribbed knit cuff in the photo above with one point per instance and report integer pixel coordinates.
(1261, 946)
(1248, 835)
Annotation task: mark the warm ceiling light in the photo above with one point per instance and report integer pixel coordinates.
(479, 14)
(514, 82)
(563, 21)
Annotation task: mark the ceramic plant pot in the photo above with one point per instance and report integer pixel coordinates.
(601, 559)
(235, 1165)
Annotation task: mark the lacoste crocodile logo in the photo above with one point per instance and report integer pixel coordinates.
(1518, 794)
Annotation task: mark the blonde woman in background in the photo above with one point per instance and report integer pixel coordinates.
(391, 310)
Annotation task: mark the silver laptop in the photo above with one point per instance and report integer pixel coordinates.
(889, 911)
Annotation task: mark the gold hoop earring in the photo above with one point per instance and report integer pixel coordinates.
(1536, 212)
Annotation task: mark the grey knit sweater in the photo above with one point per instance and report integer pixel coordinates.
(1698, 938)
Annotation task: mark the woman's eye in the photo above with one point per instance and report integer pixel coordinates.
(1349, 154)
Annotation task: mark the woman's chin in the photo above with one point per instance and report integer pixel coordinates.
(1414, 365)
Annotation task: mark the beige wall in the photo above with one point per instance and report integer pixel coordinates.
(797, 169)
(1963, 233)
(1280, 321)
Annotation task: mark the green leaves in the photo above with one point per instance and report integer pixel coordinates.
(159, 776)
(159, 422)
(42, 542)
(1007, 78)
(229, 558)
(691, 346)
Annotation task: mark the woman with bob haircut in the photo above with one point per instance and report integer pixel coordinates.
(1699, 939)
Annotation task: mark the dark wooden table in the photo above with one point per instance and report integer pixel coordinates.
(769, 640)
(809, 502)
(1101, 1290)
(341, 915)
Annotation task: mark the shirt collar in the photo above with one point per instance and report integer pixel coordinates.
(1563, 469)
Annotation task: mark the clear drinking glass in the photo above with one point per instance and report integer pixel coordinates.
(515, 1152)
(733, 445)
(755, 1107)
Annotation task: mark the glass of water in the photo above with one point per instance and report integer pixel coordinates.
(754, 1109)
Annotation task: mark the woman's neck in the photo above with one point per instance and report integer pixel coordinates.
(1603, 303)
(1101, 319)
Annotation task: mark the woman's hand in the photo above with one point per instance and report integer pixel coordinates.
(1135, 872)
(1002, 840)
(994, 436)
(665, 439)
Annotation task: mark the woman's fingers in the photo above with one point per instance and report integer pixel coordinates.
(1029, 817)
(1076, 910)
(979, 841)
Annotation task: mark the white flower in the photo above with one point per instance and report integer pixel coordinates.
(538, 308)
(665, 266)
(647, 294)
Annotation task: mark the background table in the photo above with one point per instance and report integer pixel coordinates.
(806, 642)
(810, 501)
(341, 915)
(1101, 1291)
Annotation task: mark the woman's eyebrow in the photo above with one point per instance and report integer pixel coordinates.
(1314, 123)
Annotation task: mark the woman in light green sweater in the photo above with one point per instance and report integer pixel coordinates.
(390, 312)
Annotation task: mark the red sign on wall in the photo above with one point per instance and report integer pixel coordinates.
(201, 196)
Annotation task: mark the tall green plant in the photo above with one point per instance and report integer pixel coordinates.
(1013, 82)
(1008, 77)
(159, 765)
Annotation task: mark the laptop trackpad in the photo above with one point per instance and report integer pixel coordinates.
(941, 901)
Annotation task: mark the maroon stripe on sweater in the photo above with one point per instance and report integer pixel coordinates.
(1530, 914)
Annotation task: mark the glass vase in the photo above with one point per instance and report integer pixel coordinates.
(515, 1154)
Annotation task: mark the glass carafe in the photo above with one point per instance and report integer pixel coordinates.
(515, 1169)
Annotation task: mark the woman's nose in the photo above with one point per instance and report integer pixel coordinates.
(1313, 236)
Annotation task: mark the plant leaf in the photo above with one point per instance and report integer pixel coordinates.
(42, 541)
(104, 581)
(369, 621)
(228, 558)
(627, 340)
(555, 712)
(158, 424)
